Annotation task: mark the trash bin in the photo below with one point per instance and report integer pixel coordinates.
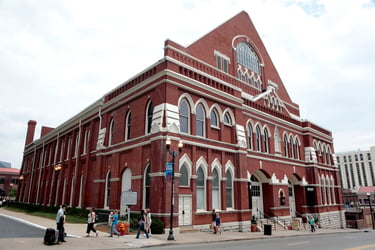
(267, 229)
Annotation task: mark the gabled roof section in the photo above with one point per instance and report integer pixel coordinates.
(224, 38)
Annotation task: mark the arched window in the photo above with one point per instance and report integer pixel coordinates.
(111, 132)
(323, 188)
(239, 74)
(150, 112)
(297, 149)
(215, 190)
(291, 147)
(128, 126)
(250, 136)
(333, 190)
(258, 139)
(199, 120)
(229, 189)
(200, 189)
(247, 57)
(147, 186)
(227, 119)
(184, 178)
(328, 190)
(214, 118)
(184, 116)
(86, 147)
(107, 189)
(266, 141)
(285, 142)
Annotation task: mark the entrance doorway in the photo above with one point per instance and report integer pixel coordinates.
(292, 202)
(185, 210)
(256, 197)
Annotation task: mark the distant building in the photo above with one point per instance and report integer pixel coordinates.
(357, 168)
(246, 151)
(358, 205)
(4, 164)
(8, 180)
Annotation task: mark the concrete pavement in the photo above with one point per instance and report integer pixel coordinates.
(77, 239)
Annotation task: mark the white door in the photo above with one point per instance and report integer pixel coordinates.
(292, 203)
(256, 198)
(184, 210)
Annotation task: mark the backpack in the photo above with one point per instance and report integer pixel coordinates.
(50, 236)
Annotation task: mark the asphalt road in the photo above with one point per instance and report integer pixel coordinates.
(10, 228)
(345, 241)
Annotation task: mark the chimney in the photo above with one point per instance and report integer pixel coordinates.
(30, 132)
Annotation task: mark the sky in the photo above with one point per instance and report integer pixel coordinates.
(58, 57)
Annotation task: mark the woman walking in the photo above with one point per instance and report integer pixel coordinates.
(142, 224)
(91, 223)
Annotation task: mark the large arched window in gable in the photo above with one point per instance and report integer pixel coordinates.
(149, 113)
(128, 123)
(247, 57)
(199, 120)
(111, 132)
(184, 116)
(200, 189)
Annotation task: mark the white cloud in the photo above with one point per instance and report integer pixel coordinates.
(57, 57)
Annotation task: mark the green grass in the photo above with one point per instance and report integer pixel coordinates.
(52, 216)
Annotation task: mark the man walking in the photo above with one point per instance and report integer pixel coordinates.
(60, 220)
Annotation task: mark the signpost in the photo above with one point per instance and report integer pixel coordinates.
(128, 198)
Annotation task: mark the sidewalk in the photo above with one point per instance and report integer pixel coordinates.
(77, 239)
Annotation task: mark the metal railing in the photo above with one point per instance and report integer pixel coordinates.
(275, 220)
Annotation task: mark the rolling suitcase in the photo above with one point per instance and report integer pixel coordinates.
(51, 236)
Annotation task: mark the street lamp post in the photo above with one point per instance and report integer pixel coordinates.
(174, 154)
(372, 216)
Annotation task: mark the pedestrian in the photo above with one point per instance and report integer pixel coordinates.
(110, 217)
(312, 224)
(148, 221)
(217, 224)
(142, 224)
(304, 221)
(91, 223)
(213, 223)
(60, 221)
(114, 224)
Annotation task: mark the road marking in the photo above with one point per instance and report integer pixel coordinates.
(361, 247)
(298, 243)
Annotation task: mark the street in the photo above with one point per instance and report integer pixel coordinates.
(10, 228)
(349, 241)
(15, 234)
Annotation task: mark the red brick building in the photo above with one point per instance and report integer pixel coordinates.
(8, 181)
(245, 152)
